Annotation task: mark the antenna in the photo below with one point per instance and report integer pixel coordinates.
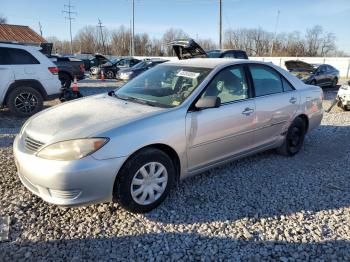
(103, 40)
(68, 10)
(275, 35)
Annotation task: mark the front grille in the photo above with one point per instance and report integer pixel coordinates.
(31, 144)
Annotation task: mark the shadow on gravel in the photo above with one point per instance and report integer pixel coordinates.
(267, 185)
(172, 247)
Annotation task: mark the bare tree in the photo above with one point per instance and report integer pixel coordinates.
(170, 35)
(3, 19)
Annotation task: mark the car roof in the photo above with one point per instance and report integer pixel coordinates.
(211, 62)
(20, 46)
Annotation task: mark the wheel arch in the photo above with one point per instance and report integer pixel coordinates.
(64, 72)
(305, 119)
(27, 82)
(173, 155)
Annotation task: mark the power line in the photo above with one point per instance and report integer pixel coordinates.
(68, 10)
(40, 29)
(103, 40)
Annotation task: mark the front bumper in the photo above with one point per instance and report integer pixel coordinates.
(67, 183)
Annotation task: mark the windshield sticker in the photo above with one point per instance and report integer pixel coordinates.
(188, 74)
(176, 103)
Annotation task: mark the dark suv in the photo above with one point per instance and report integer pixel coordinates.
(239, 54)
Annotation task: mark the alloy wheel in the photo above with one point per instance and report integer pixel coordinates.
(26, 102)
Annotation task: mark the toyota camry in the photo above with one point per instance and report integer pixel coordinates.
(173, 121)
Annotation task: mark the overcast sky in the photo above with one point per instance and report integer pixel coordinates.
(199, 18)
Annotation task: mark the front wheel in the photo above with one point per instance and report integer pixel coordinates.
(110, 74)
(294, 138)
(144, 181)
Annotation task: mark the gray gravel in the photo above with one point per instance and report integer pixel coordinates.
(264, 207)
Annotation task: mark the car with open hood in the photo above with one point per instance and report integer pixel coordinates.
(110, 68)
(173, 121)
(129, 73)
(313, 74)
(188, 48)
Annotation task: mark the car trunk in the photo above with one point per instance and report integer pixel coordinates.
(186, 49)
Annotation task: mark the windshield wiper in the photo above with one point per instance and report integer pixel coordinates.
(134, 99)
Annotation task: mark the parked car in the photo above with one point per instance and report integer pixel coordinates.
(188, 48)
(129, 73)
(28, 78)
(313, 74)
(173, 121)
(91, 60)
(111, 68)
(68, 68)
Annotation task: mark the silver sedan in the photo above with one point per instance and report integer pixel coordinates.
(171, 122)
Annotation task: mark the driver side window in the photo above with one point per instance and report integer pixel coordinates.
(229, 85)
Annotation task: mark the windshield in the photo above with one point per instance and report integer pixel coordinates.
(164, 85)
(115, 60)
(214, 54)
(139, 65)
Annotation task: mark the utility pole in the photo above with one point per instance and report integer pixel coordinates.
(133, 29)
(103, 40)
(40, 29)
(275, 36)
(220, 24)
(68, 10)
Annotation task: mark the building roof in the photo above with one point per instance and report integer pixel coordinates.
(20, 34)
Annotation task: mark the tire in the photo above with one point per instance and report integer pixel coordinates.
(110, 74)
(129, 194)
(294, 138)
(334, 82)
(65, 79)
(24, 101)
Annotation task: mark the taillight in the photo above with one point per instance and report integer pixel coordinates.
(82, 67)
(53, 70)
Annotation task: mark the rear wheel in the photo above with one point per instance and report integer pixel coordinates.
(144, 181)
(294, 138)
(24, 101)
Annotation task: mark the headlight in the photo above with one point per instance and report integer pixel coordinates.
(72, 149)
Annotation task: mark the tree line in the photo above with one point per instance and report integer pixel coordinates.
(256, 42)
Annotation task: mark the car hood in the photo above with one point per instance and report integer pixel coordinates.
(187, 48)
(85, 117)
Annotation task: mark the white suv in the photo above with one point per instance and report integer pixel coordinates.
(27, 78)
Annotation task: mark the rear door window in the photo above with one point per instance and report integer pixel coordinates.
(18, 56)
(4, 56)
(266, 81)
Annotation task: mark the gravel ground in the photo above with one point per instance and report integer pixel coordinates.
(264, 207)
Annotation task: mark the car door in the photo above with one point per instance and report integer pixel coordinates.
(218, 133)
(23, 64)
(321, 75)
(276, 102)
(6, 73)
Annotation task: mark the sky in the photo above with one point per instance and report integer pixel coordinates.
(198, 18)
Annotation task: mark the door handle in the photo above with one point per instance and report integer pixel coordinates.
(293, 100)
(247, 111)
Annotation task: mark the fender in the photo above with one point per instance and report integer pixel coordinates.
(29, 82)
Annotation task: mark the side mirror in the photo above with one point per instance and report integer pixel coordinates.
(208, 102)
